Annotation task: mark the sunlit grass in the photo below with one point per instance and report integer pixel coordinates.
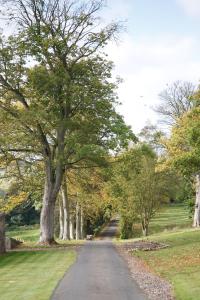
(168, 218)
(31, 275)
(29, 235)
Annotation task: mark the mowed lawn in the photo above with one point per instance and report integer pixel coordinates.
(173, 217)
(31, 275)
(27, 234)
(180, 263)
(168, 218)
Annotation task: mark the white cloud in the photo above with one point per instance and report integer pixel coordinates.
(191, 7)
(146, 67)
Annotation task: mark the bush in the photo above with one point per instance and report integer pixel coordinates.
(126, 228)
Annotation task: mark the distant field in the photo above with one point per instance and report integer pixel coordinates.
(170, 218)
(28, 234)
(31, 275)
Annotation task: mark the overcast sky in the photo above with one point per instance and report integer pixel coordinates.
(161, 45)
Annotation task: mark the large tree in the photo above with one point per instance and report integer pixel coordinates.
(56, 91)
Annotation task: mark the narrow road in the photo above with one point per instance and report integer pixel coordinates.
(99, 274)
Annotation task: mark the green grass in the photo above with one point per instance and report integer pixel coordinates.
(29, 235)
(170, 218)
(31, 275)
(180, 263)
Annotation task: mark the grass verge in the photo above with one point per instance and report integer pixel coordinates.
(30, 275)
(179, 264)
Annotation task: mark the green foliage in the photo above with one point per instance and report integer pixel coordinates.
(138, 187)
(183, 145)
(126, 227)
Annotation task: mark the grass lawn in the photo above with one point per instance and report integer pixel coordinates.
(168, 218)
(29, 235)
(31, 275)
(180, 263)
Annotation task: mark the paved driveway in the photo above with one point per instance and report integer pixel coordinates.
(99, 274)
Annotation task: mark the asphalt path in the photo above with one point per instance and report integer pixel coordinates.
(99, 274)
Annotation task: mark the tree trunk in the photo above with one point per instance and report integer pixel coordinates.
(72, 233)
(47, 213)
(196, 222)
(78, 235)
(66, 230)
(82, 225)
(61, 219)
(145, 227)
(51, 190)
(47, 220)
(2, 233)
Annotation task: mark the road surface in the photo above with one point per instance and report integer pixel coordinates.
(99, 274)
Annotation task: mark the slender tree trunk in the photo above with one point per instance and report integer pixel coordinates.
(82, 224)
(2, 234)
(61, 219)
(72, 233)
(78, 235)
(196, 222)
(145, 228)
(66, 230)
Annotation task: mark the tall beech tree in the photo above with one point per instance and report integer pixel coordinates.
(56, 91)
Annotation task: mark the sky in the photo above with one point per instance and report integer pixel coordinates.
(160, 45)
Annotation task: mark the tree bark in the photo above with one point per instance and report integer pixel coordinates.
(51, 190)
(61, 219)
(196, 221)
(2, 233)
(66, 230)
(47, 220)
(72, 233)
(78, 235)
(145, 228)
(82, 224)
